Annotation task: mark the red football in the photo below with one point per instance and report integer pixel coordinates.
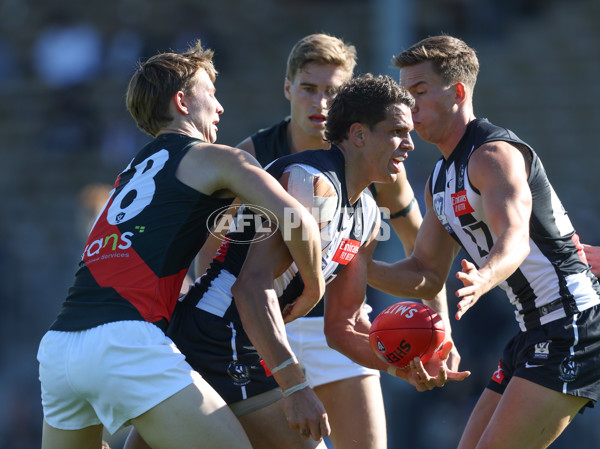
(406, 330)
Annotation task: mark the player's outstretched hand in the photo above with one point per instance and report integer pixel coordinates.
(306, 415)
(475, 285)
(592, 253)
(434, 373)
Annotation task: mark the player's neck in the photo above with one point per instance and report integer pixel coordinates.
(455, 132)
(299, 141)
(357, 178)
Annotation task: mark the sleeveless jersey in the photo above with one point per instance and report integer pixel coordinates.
(350, 228)
(270, 144)
(142, 243)
(554, 280)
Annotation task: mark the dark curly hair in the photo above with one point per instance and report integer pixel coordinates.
(364, 99)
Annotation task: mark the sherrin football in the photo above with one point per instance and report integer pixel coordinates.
(406, 330)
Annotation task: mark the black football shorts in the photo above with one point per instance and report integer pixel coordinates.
(563, 355)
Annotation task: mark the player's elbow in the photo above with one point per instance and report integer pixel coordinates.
(335, 337)
(431, 289)
(247, 281)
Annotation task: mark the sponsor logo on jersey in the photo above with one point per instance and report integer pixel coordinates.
(460, 203)
(107, 247)
(346, 251)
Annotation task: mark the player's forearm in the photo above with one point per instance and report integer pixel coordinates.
(507, 254)
(403, 278)
(259, 310)
(439, 303)
(355, 346)
(303, 239)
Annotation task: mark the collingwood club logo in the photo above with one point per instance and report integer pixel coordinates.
(239, 373)
(569, 369)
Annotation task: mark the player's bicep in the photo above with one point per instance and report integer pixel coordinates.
(500, 171)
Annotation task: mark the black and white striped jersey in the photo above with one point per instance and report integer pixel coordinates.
(554, 280)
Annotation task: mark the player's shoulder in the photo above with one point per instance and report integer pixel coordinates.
(321, 185)
(247, 145)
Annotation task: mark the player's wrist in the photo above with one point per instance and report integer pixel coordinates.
(289, 376)
(294, 388)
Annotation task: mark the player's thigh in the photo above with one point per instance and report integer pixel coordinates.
(529, 415)
(479, 419)
(268, 428)
(87, 438)
(195, 417)
(356, 412)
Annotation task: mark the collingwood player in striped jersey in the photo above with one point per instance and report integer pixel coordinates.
(489, 193)
(230, 319)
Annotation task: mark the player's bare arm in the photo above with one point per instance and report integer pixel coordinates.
(499, 171)
(347, 328)
(247, 145)
(424, 273)
(213, 168)
(259, 309)
(405, 217)
(206, 253)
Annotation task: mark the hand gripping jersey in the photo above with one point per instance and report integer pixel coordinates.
(554, 280)
(346, 228)
(142, 243)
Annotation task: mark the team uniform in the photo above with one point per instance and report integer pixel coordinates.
(206, 324)
(106, 358)
(556, 298)
(306, 335)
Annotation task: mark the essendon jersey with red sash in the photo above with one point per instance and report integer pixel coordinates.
(142, 243)
(554, 280)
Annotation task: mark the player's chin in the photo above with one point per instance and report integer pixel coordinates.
(390, 176)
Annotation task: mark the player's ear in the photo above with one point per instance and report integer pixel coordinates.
(180, 102)
(460, 92)
(357, 134)
(287, 85)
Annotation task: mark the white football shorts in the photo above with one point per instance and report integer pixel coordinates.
(321, 364)
(108, 374)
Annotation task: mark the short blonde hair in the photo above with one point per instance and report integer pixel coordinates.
(323, 49)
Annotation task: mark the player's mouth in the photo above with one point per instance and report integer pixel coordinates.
(318, 119)
(397, 162)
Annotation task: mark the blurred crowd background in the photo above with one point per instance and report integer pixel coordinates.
(65, 134)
